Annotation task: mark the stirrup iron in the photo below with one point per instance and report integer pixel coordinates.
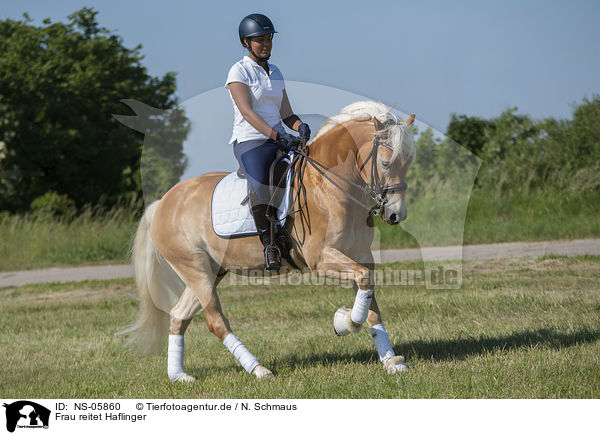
(272, 257)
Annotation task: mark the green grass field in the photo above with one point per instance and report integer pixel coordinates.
(520, 328)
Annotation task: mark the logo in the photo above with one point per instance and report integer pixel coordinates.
(26, 414)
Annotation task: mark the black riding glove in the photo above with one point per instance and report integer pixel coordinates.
(287, 141)
(304, 131)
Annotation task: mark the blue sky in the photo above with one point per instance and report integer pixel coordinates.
(432, 58)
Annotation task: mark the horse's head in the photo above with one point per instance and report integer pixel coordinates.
(384, 162)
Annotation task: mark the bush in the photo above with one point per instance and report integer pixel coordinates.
(53, 204)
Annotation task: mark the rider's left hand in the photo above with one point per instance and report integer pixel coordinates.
(304, 131)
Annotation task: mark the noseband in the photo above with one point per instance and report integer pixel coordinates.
(376, 190)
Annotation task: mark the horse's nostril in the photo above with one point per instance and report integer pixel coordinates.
(394, 218)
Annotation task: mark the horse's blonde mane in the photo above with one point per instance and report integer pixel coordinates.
(399, 133)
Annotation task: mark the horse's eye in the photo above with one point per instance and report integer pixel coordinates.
(386, 165)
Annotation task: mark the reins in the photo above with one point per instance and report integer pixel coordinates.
(374, 189)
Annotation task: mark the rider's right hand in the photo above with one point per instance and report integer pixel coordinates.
(287, 141)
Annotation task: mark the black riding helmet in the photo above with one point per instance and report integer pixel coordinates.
(255, 25)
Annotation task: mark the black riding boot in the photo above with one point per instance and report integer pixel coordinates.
(283, 241)
(263, 226)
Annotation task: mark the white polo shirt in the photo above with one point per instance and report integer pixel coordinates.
(266, 91)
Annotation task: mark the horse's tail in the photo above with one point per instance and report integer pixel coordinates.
(153, 277)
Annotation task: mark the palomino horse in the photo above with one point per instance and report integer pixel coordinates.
(179, 260)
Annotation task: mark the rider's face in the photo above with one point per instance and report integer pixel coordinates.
(261, 45)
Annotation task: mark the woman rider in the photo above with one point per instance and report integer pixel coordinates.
(260, 105)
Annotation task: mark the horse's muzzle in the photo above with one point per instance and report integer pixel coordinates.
(396, 218)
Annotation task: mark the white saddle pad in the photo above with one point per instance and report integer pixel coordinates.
(232, 219)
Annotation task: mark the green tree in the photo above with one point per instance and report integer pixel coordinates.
(571, 148)
(59, 86)
(468, 131)
(423, 170)
(162, 162)
(586, 131)
(511, 134)
(520, 153)
(442, 163)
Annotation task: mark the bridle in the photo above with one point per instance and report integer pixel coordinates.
(375, 189)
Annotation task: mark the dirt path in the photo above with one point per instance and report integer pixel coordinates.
(568, 248)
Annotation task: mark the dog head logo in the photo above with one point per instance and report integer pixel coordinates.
(26, 414)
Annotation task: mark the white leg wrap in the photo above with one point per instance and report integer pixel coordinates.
(382, 342)
(243, 355)
(175, 357)
(360, 310)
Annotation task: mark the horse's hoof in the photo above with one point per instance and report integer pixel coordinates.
(395, 364)
(185, 378)
(340, 325)
(262, 373)
(343, 324)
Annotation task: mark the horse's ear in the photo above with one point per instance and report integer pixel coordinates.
(410, 120)
(378, 125)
